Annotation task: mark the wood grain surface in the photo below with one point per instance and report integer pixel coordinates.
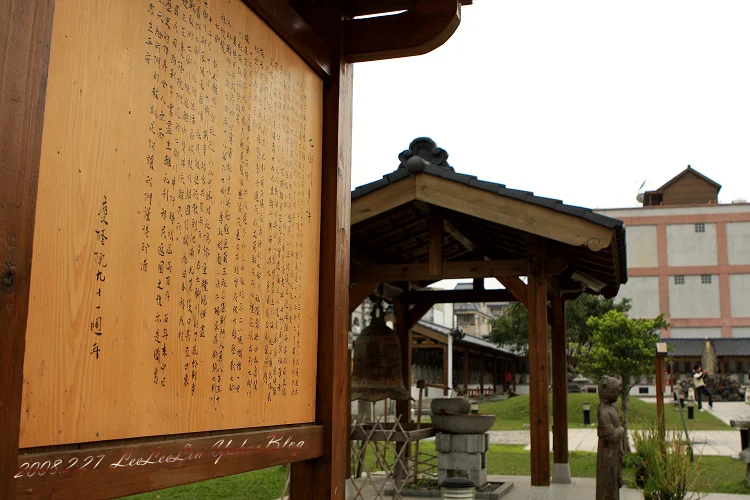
(177, 238)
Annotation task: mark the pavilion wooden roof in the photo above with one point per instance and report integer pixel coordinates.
(482, 229)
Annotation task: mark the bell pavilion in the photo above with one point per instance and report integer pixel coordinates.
(425, 222)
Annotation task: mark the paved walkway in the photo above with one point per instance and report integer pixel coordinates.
(717, 443)
(579, 489)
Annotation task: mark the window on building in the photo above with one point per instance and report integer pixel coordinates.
(706, 279)
(679, 280)
(700, 227)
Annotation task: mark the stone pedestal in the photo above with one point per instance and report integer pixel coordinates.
(462, 455)
(561, 474)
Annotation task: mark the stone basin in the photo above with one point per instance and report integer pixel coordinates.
(463, 424)
(451, 405)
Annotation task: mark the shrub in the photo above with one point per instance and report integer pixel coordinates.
(664, 469)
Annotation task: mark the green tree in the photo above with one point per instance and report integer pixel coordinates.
(622, 347)
(512, 328)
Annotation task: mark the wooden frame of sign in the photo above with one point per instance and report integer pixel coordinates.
(178, 173)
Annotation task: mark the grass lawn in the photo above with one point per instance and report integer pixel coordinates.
(514, 412)
(717, 474)
(265, 484)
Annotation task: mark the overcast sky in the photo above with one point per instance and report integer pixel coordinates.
(578, 100)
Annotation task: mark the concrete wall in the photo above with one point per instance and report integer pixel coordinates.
(641, 246)
(644, 294)
(694, 299)
(738, 242)
(685, 247)
(739, 289)
(695, 333)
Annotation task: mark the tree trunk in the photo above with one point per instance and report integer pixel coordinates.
(624, 408)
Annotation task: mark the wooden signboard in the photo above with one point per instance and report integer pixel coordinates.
(174, 237)
(176, 247)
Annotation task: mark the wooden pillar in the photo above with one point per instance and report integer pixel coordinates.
(559, 392)
(514, 370)
(671, 376)
(538, 369)
(481, 375)
(26, 33)
(324, 478)
(660, 393)
(466, 372)
(494, 375)
(403, 408)
(445, 370)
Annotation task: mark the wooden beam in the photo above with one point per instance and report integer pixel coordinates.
(478, 284)
(514, 213)
(110, 481)
(417, 312)
(451, 270)
(371, 7)
(559, 383)
(539, 371)
(295, 31)
(420, 29)
(382, 200)
(435, 244)
(25, 36)
(459, 236)
(456, 296)
(516, 287)
(359, 292)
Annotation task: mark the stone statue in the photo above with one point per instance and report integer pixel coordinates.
(709, 362)
(610, 432)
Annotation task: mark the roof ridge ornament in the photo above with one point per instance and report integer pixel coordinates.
(426, 149)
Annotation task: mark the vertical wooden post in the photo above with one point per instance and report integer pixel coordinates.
(324, 478)
(660, 392)
(538, 369)
(400, 310)
(513, 375)
(494, 375)
(466, 372)
(435, 245)
(25, 36)
(445, 370)
(671, 376)
(561, 473)
(481, 375)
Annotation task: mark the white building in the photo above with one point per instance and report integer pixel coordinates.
(689, 259)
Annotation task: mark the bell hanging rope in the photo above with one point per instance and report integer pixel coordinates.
(377, 362)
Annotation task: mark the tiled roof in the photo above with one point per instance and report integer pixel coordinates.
(692, 348)
(413, 166)
(469, 339)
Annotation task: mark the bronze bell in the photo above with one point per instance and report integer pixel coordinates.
(377, 362)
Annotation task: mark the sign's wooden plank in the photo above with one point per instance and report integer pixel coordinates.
(175, 286)
(115, 471)
(25, 32)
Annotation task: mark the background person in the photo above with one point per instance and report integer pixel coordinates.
(700, 387)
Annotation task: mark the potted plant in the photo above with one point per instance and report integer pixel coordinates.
(665, 468)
